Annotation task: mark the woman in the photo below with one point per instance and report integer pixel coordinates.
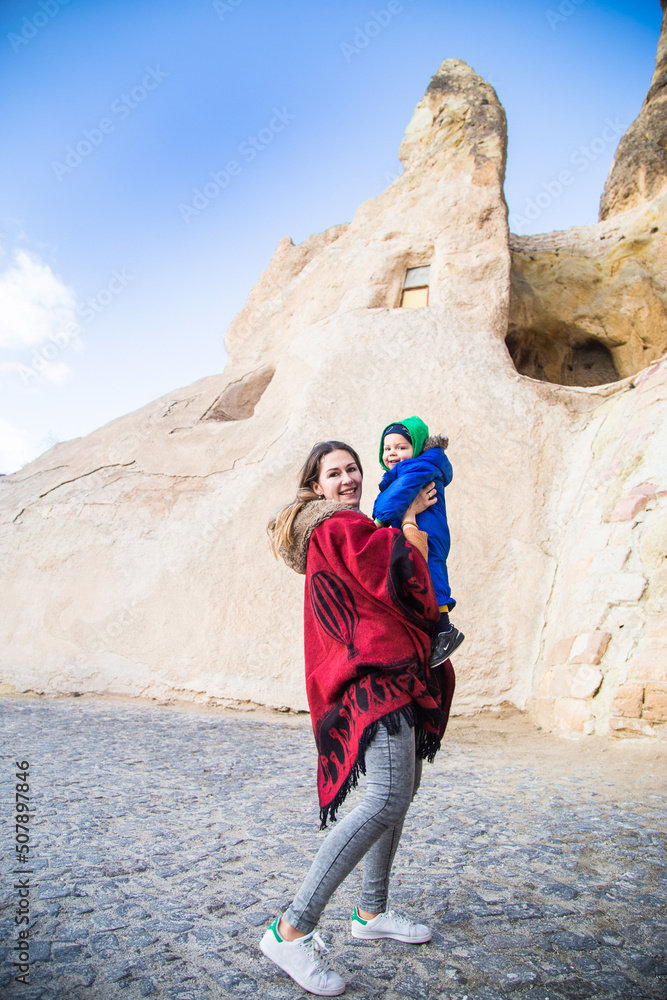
(376, 707)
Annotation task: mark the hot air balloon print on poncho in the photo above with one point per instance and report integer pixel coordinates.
(335, 608)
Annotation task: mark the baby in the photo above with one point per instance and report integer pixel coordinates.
(412, 459)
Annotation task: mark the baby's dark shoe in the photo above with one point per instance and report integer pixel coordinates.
(444, 644)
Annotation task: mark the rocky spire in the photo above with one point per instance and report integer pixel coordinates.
(639, 170)
(459, 115)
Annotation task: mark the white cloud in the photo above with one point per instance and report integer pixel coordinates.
(35, 305)
(29, 377)
(56, 373)
(19, 372)
(16, 447)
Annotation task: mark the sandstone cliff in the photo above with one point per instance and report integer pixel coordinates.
(639, 171)
(136, 559)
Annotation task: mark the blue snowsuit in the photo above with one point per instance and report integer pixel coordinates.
(398, 489)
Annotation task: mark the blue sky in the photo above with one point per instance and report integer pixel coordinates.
(117, 283)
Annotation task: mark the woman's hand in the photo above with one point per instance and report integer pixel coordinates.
(426, 497)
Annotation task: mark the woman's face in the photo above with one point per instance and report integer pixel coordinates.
(340, 478)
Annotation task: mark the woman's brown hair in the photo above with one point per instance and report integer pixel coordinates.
(280, 525)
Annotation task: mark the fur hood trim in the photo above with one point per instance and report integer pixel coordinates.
(309, 517)
(436, 441)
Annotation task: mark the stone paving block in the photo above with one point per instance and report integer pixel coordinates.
(412, 987)
(522, 911)
(455, 917)
(40, 951)
(571, 988)
(552, 965)
(17, 991)
(611, 940)
(131, 910)
(65, 952)
(138, 937)
(104, 945)
(585, 963)
(258, 919)
(239, 982)
(165, 925)
(560, 890)
(179, 993)
(81, 974)
(382, 968)
(489, 993)
(650, 966)
(616, 984)
(518, 975)
(543, 993)
(46, 890)
(72, 932)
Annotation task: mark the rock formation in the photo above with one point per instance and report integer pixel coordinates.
(136, 560)
(639, 171)
(589, 306)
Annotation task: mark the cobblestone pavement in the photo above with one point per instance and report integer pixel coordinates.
(165, 839)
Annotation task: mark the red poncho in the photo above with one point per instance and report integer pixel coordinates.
(368, 617)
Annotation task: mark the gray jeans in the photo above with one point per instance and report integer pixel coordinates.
(372, 830)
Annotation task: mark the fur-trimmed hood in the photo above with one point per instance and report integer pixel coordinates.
(436, 441)
(309, 517)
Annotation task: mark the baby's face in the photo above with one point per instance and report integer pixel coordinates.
(395, 449)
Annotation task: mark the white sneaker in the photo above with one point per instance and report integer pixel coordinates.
(300, 959)
(389, 925)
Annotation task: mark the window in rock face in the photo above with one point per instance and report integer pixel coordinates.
(415, 287)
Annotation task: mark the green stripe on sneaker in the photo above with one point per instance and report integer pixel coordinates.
(355, 916)
(274, 928)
